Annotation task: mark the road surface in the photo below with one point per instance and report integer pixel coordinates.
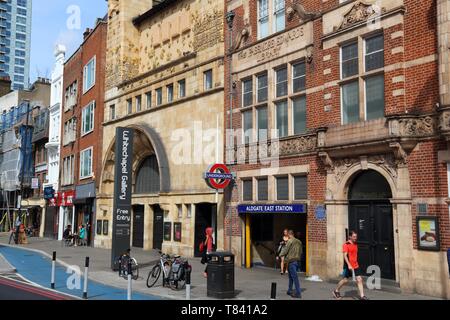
(16, 290)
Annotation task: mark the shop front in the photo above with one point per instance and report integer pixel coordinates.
(66, 211)
(264, 225)
(49, 225)
(84, 203)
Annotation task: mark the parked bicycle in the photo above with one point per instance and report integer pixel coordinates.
(174, 271)
(123, 263)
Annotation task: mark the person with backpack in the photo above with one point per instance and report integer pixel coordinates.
(351, 267)
(292, 253)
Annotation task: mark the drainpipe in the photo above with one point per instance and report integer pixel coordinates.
(230, 18)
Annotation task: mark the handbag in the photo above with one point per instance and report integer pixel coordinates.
(201, 247)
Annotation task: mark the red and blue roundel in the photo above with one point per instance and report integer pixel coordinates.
(218, 176)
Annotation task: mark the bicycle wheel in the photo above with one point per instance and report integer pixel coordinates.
(134, 269)
(153, 275)
(180, 283)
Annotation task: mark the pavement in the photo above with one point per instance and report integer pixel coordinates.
(32, 261)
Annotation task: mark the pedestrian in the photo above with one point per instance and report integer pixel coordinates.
(22, 234)
(17, 225)
(82, 235)
(67, 235)
(206, 247)
(292, 253)
(351, 267)
(281, 245)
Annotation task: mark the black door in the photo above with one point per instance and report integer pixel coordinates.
(372, 220)
(205, 214)
(138, 226)
(158, 227)
(49, 224)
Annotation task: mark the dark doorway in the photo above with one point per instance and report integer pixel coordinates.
(138, 226)
(205, 216)
(370, 215)
(158, 227)
(50, 223)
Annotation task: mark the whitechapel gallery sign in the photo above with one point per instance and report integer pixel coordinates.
(280, 45)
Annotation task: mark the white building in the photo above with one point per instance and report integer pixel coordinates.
(53, 146)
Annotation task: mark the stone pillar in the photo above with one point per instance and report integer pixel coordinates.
(443, 17)
(42, 226)
(148, 227)
(337, 222)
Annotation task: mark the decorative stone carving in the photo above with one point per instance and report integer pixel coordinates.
(417, 126)
(298, 145)
(400, 154)
(361, 11)
(242, 37)
(208, 30)
(298, 9)
(444, 120)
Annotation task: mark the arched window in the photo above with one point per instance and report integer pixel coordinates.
(370, 185)
(147, 177)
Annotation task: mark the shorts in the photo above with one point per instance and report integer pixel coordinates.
(349, 274)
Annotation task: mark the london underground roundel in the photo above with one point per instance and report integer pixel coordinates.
(218, 176)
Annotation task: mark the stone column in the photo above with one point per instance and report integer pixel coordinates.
(443, 17)
(337, 222)
(148, 227)
(42, 226)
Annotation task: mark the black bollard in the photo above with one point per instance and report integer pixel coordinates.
(188, 284)
(86, 272)
(53, 270)
(273, 291)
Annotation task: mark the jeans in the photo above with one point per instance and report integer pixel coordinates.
(293, 278)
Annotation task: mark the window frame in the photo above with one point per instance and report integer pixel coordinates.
(205, 82)
(83, 120)
(82, 152)
(85, 88)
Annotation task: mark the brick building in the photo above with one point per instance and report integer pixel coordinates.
(81, 131)
(343, 119)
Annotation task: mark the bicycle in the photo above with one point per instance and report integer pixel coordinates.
(173, 269)
(123, 263)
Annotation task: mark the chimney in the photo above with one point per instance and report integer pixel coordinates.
(86, 33)
(5, 85)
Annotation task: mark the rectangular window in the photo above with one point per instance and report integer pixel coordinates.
(282, 82)
(170, 93)
(263, 18)
(112, 112)
(262, 121)
(138, 103)
(282, 119)
(89, 75)
(159, 98)
(129, 106)
(374, 97)
(182, 88)
(86, 163)
(279, 15)
(350, 102)
(87, 118)
(374, 55)
(299, 77)
(180, 211)
(148, 97)
(247, 190)
(349, 60)
(208, 79)
(263, 189)
(68, 167)
(282, 188)
(189, 210)
(299, 115)
(247, 92)
(247, 125)
(300, 187)
(262, 88)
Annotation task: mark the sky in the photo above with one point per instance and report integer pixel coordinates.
(59, 22)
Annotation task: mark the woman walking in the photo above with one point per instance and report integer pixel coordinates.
(281, 245)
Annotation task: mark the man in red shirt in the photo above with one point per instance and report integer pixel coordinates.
(351, 266)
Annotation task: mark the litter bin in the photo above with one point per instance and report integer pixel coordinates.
(220, 282)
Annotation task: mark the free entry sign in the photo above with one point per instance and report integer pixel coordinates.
(122, 193)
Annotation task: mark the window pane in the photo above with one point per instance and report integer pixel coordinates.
(170, 93)
(262, 88)
(129, 106)
(247, 125)
(262, 123)
(375, 97)
(208, 80)
(182, 88)
(299, 77)
(247, 90)
(247, 186)
(374, 53)
(350, 60)
(300, 187)
(299, 110)
(279, 15)
(138, 103)
(283, 188)
(263, 189)
(350, 102)
(149, 100)
(282, 119)
(263, 18)
(282, 83)
(159, 96)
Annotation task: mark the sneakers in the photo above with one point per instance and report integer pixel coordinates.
(337, 295)
(363, 298)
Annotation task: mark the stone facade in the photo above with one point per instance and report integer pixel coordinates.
(407, 146)
(169, 48)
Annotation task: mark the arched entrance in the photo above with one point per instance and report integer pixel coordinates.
(370, 215)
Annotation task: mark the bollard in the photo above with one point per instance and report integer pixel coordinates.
(86, 272)
(53, 270)
(188, 284)
(273, 291)
(129, 280)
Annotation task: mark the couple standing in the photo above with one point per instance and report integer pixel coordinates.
(290, 252)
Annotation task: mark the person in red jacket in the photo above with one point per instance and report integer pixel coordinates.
(208, 247)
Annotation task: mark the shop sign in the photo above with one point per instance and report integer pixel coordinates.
(122, 193)
(272, 208)
(218, 176)
(65, 198)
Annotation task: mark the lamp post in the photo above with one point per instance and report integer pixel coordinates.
(230, 19)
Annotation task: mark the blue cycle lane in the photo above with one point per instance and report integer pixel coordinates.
(36, 267)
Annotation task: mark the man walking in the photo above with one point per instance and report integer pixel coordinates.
(351, 266)
(292, 253)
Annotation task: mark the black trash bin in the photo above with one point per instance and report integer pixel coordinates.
(220, 283)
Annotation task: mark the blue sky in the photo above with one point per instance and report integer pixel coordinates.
(59, 22)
